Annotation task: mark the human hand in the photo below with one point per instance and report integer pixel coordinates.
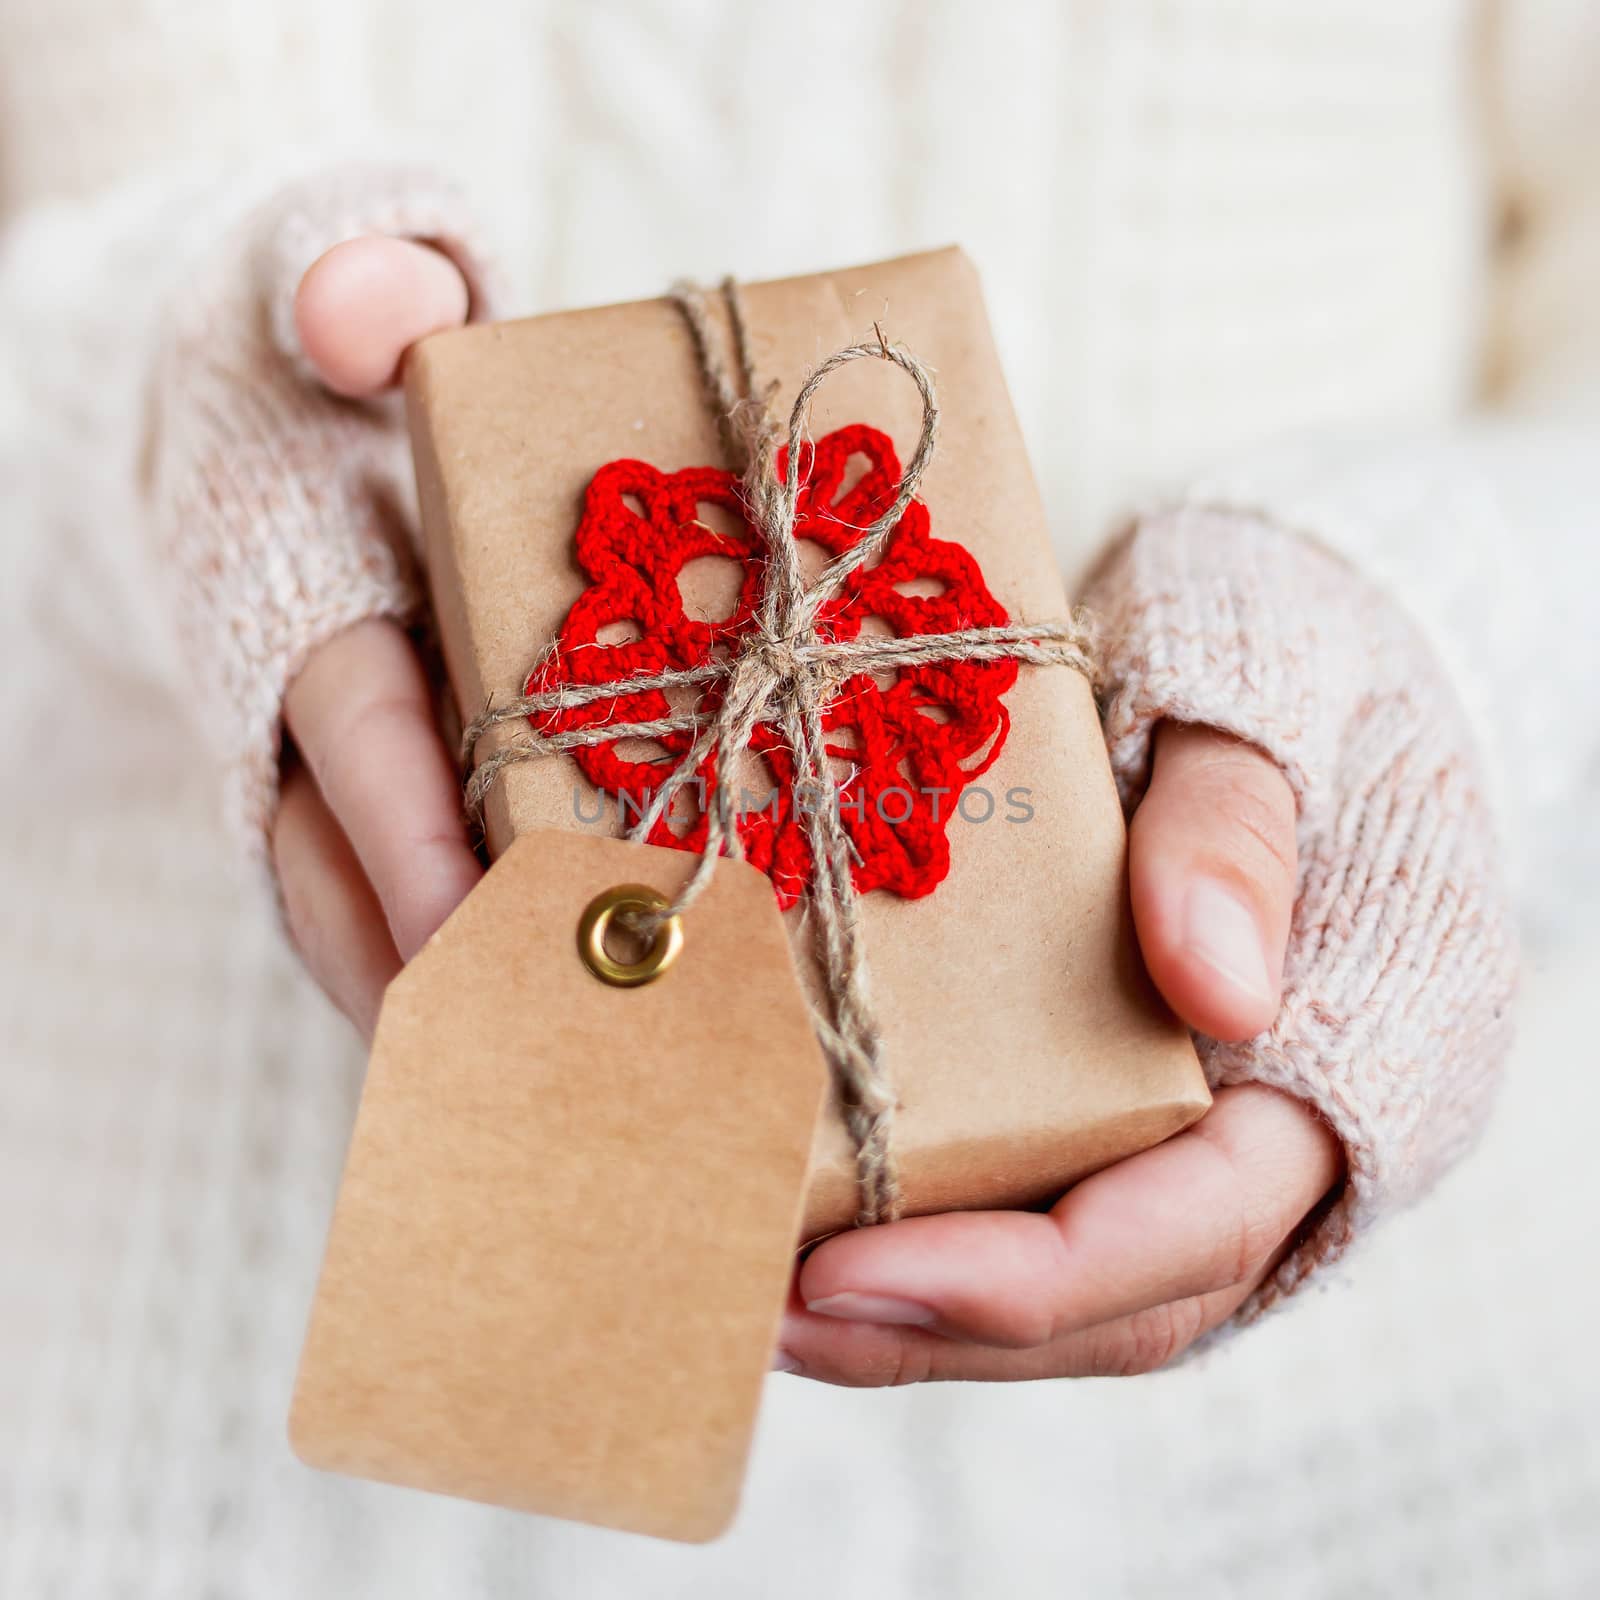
(368, 841)
(1139, 1260)
(1280, 729)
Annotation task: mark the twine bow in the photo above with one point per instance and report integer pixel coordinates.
(783, 673)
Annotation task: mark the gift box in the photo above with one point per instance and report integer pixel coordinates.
(1026, 1047)
(586, 525)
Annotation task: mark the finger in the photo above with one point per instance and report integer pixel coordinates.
(362, 716)
(871, 1356)
(1200, 1213)
(1211, 872)
(333, 915)
(361, 306)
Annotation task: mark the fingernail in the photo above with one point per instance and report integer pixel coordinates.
(1222, 930)
(782, 1361)
(854, 1307)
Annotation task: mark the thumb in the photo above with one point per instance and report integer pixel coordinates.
(1211, 873)
(361, 306)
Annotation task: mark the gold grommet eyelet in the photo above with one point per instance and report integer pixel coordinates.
(596, 919)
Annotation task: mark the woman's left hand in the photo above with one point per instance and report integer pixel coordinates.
(1138, 1261)
(1318, 892)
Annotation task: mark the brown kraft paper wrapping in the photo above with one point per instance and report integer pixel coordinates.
(1024, 1042)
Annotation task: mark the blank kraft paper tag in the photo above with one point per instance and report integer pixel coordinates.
(569, 1211)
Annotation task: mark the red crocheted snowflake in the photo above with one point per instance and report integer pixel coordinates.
(902, 749)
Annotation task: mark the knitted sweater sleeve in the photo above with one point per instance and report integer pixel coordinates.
(1385, 620)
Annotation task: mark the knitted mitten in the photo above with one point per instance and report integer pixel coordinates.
(1401, 960)
(284, 513)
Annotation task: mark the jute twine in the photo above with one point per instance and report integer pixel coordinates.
(784, 672)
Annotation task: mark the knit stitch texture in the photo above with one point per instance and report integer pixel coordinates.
(284, 510)
(1205, 230)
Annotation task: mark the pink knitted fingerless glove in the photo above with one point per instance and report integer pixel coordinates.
(283, 511)
(1401, 962)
